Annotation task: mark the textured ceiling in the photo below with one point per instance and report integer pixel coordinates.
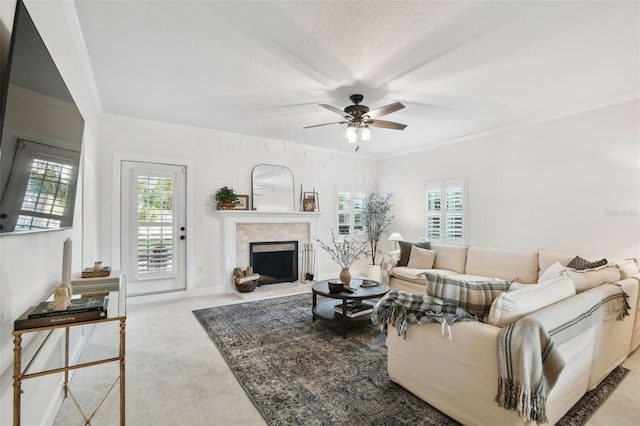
(261, 68)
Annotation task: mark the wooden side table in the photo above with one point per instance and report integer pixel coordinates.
(115, 285)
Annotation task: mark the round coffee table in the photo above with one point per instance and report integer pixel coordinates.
(326, 310)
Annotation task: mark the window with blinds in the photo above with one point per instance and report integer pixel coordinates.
(349, 213)
(45, 200)
(155, 224)
(446, 206)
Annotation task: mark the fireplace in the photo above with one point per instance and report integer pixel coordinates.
(275, 261)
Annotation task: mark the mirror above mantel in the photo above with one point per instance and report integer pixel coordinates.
(272, 188)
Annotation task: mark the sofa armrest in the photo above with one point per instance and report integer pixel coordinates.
(615, 338)
(460, 377)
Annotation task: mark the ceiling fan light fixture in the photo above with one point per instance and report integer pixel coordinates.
(366, 133)
(359, 119)
(352, 134)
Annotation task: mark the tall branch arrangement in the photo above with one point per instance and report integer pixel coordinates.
(376, 218)
(344, 253)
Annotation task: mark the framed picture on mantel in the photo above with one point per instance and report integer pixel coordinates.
(310, 202)
(243, 203)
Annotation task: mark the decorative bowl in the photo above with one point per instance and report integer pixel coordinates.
(336, 286)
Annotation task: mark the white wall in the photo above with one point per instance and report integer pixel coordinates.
(218, 159)
(31, 265)
(551, 185)
(571, 184)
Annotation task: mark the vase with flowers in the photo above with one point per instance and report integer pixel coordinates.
(345, 253)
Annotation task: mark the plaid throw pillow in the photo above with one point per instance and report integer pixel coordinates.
(475, 297)
(580, 264)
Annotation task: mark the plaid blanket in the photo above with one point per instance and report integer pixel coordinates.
(401, 308)
(389, 261)
(529, 362)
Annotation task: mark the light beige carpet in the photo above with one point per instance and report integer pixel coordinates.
(176, 376)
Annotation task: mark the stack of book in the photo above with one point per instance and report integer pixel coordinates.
(80, 309)
(354, 309)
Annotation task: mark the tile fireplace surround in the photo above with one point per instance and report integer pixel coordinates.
(239, 228)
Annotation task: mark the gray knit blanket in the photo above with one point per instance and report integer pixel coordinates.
(529, 362)
(401, 308)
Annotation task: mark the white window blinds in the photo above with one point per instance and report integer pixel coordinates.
(349, 213)
(446, 207)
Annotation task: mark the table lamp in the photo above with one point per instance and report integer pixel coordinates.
(395, 237)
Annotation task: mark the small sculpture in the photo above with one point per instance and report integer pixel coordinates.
(61, 298)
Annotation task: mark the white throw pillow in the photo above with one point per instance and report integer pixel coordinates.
(421, 258)
(510, 306)
(554, 271)
(590, 278)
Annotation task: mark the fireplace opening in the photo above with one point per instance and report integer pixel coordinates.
(275, 261)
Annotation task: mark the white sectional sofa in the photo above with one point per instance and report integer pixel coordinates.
(459, 376)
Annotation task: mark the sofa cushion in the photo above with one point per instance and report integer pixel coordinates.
(509, 265)
(405, 250)
(469, 277)
(627, 268)
(589, 278)
(581, 264)
(450, 257)
(475, 297)
(510, 306)
(548, 258)
(421, 258)
(415, 274)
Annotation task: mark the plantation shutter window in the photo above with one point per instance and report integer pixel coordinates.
(155, 225)
(349, 213)
(344, 217)
(41, 197)
(446, 206)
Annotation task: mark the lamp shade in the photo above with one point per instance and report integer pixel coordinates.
(395, 236)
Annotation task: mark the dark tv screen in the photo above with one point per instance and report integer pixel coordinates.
(42, 131)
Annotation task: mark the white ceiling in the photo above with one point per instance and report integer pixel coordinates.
(261, 68)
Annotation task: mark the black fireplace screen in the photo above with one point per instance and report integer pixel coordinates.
(275, 261)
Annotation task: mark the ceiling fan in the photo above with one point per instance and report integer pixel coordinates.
(359, 118)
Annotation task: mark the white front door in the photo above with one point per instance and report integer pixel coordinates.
(153, 228)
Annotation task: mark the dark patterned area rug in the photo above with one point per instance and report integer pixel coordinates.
(301, 372)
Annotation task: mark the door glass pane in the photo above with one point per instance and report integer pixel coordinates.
(155, 236)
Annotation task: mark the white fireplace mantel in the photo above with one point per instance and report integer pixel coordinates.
(231, 218)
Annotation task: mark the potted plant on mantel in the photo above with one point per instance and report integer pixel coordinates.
(376, 219)
(226, 198)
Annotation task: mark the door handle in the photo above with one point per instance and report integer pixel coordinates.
(182, 237)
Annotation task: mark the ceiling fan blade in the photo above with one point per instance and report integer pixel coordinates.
(386, 124)
(387, 109)
(336, 110)
(325, 124)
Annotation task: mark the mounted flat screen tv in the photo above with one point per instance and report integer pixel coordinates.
(42, 132)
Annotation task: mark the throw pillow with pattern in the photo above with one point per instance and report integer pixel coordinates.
(405, 250)
(421, 258)
(580, 264)
(475, 297)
